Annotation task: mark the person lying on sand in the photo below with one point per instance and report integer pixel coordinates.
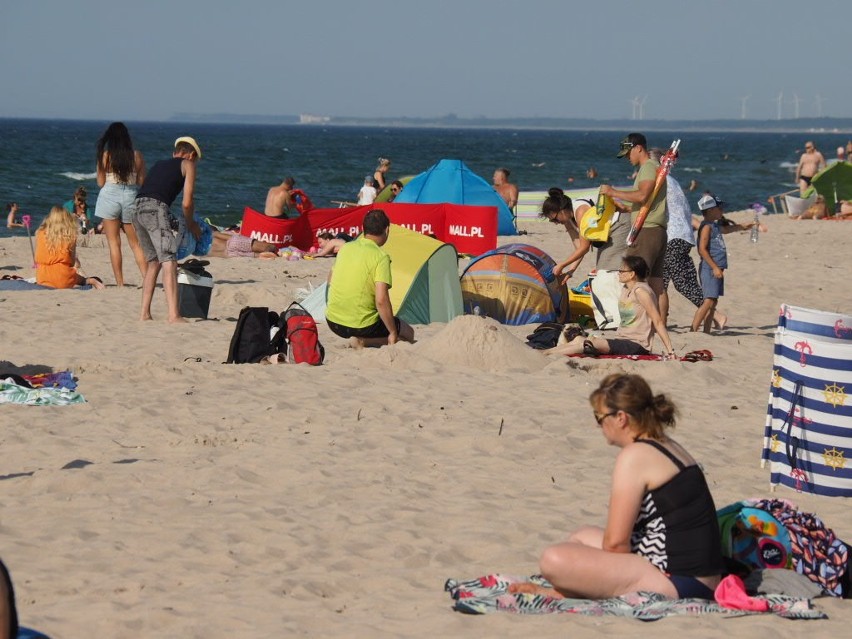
(235, 245)
(661, 533)
(330, 244)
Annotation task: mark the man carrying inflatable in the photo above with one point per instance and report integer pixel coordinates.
(651, 242)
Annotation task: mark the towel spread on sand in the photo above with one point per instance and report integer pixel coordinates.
(46, 389)
(490, 594)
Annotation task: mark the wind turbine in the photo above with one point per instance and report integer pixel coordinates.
(635, 103)
(796, 101)
(743, 101)
(642, 107)
(778, 101)
(818, 100)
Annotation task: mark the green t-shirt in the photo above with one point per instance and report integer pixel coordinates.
(352, 294)
(657, 216)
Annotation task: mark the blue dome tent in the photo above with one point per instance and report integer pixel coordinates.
(452, 181)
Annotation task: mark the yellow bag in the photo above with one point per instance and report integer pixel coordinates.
(596, 223)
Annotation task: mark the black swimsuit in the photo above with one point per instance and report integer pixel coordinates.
(676, 529)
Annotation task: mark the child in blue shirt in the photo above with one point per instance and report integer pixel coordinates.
(714, 258)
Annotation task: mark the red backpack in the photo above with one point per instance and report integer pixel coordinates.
(303, 345)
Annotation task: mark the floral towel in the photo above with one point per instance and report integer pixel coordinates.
(490, 594)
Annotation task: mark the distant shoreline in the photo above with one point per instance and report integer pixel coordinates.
(816, 126)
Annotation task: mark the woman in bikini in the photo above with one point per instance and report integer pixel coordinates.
(661, 533)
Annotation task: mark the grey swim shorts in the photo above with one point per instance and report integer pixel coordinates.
(158, 230)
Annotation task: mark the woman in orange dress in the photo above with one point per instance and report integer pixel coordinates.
(56, 252)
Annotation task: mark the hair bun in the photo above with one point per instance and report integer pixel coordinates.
(555, 192)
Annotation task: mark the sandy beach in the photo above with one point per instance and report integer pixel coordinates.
(214, 500)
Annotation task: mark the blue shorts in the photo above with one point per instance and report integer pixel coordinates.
(690, 588)
(711, 287)
(116, 201)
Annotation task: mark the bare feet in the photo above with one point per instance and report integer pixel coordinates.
(95, 282)
(529, 588)
(145, 317)
(356, 342)
(177, 320)
(720, 321)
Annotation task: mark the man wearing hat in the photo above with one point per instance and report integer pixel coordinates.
(159, 231)
(651, 242)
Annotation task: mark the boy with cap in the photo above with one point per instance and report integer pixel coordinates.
(651, 242)
(714, 257)
(158, 230)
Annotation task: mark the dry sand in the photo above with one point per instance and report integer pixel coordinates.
(273, 501)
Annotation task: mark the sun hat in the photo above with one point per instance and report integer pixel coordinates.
(709, 201)
(191, 142)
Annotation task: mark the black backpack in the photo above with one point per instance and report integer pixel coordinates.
(254, 338)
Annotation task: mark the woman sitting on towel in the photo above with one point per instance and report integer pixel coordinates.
(640, 318)
(56, 260)
(661, 532)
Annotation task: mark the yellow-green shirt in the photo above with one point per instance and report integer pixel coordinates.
(657, 216)
(352, 294)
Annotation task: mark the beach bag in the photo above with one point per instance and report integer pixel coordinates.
(753, 539)
(606, 291)
(257, 335)
(597, 222)
(546, 335)
(303, 345)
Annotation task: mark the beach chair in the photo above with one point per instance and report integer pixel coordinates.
(808, 430)
(797, 205)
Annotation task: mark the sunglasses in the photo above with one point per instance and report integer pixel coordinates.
(394, 189)
(599, 418)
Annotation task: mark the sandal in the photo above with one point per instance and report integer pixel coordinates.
(589, 349)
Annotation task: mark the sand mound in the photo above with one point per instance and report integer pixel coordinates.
(481, 343)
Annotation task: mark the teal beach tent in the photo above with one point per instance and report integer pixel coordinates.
(452, 181)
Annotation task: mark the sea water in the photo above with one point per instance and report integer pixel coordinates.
(42, 162)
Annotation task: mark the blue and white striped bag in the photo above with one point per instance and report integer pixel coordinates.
(808, 431)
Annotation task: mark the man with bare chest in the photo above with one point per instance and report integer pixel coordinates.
(811, 163)
(508, 191)
(279, 201)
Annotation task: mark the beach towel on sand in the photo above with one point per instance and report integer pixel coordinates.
(490, 594)
(46, 389)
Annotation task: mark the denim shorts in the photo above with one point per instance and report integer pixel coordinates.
(116, 200)
(712, 287)
(158, 231)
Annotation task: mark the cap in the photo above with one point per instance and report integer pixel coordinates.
(191, 142)
(633, 139)
(709, 201)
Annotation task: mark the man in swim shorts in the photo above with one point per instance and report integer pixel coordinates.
(811, 163)
(359, 307)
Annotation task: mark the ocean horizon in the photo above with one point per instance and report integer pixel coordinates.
(42, 162)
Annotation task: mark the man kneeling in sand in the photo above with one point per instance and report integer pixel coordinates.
(359, 307)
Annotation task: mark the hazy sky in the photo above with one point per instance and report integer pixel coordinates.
(693, 59)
